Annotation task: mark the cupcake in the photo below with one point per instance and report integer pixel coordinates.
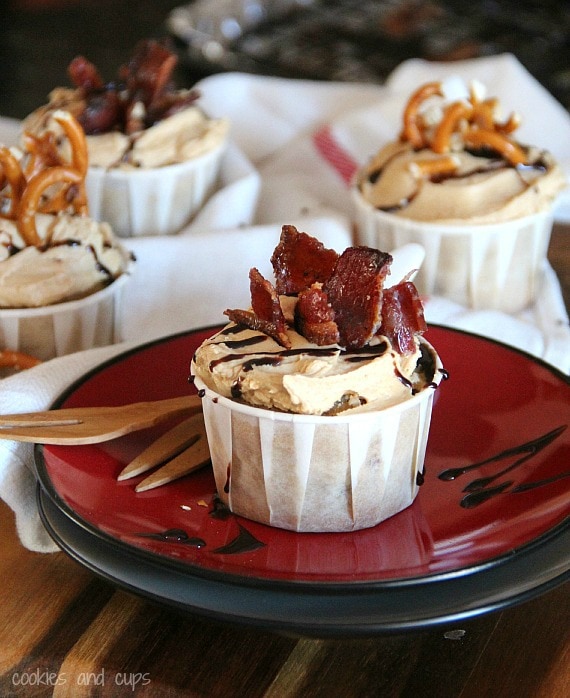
(458, 182)
(317, 400)
(61, 272)
(154, 155)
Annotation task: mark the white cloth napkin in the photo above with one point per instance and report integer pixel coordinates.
(294, 146)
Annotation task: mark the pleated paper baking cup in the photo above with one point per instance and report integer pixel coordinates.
(154, 201)
(491, 266)
(308, 473)
(64, 328)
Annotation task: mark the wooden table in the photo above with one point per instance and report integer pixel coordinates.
(65, 632)
(61, 625)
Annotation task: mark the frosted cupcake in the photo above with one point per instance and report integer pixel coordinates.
(459, 183)
(61, 273)
(317, 400)
(154, 155)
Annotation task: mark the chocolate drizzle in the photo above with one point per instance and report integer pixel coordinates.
(239, 343)
(71, 242)
(252, 359)
(479, 490)
(174, 535)
(270, 358)
(244, 542)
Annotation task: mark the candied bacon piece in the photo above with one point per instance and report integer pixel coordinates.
(103, 111)
(146, 78)
(355, 292)
(84, 74)
(402, 316)
(169, 104)
(314, 317)
(267, 315)
(147, 75)
(299, 261)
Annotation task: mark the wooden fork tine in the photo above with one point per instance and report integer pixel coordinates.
(192, 458)
(167, 446)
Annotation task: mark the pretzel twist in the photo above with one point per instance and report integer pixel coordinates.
(13, 178)
(17, 359)
(31, 201)
(412, 131)
(76, 137)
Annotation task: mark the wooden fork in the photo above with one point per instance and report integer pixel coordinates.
(181, 450)
(88, 425)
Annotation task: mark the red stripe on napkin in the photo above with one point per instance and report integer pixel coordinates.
(336, 156)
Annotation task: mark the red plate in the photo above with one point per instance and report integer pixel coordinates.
(500, 408)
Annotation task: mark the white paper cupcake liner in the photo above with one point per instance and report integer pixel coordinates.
(492, 266)
(158, 201)
(307, 473)
(64, 328)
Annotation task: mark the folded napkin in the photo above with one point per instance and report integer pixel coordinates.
(295, 145)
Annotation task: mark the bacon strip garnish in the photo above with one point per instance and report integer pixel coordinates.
(348, 307)
(402, 316)
(266, 314)
(146, 79)
(354, 291)
(299, 261)
(315, 317)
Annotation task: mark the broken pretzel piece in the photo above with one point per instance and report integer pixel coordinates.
(498, 142)
(473, 121)
(42, 181)
(434, 166)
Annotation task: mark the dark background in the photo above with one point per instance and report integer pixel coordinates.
(338, 39)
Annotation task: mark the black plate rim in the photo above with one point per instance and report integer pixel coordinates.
(285, 610)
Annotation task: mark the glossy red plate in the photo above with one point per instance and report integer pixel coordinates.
(500, 409)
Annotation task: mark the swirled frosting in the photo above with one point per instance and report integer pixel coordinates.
(248, 365)
(80, 256)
